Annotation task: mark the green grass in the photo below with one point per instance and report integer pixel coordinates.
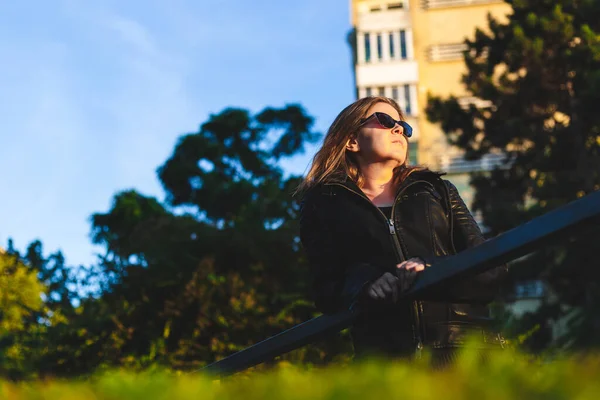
(506, 376)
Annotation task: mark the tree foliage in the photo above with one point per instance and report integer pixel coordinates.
(541, 72)
(215, 268)
(20, 294)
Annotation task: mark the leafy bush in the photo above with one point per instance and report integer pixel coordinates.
(505, 376)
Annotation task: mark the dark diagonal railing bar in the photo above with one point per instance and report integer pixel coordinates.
(512, 244)
(538, 232)
(298, 336)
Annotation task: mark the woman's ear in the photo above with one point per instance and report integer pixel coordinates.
(352, 144)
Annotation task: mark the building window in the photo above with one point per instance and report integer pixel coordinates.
(407, 104)
(413, 148)
(379, 47)
(403, 52)
(367, 47)
(529, 289)
(368, 91)
(392, 49)
(375, 8)
(395, 93)
(381, 91)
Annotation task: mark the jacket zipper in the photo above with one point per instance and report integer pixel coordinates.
(389, 222)
(400, 253)
(416, 305)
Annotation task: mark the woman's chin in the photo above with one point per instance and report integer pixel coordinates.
(397, 162)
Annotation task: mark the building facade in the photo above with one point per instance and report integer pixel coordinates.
(405, 49)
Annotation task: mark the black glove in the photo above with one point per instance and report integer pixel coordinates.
(386, 287)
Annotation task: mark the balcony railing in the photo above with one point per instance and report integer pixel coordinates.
(446, 52)
(429, 4)
(454, 164)
(466, 101)
(580, 217)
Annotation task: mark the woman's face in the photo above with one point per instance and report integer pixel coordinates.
(376, 144)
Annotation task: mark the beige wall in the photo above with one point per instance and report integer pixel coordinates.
(442, 78)
(430, 27)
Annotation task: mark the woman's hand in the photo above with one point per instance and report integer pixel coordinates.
(389, 287)
(407, 272)
(386, 287)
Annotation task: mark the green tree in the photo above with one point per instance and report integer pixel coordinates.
(541, 72)
(21, 295)
(50, 337)
(216, 268)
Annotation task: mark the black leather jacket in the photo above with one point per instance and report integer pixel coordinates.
(350, 243)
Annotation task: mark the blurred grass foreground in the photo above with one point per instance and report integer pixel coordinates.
(504, 376)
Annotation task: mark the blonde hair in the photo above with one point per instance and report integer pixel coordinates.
(332, 163)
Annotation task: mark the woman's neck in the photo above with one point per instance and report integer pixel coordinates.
(378, 184)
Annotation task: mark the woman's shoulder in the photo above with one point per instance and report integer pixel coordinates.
(439, 181)
(327, 187)
(430, 174)
(313, 193)
(424, 173)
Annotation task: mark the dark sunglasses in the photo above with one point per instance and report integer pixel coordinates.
(388, 122)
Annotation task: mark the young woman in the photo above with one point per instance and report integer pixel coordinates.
(370, 223)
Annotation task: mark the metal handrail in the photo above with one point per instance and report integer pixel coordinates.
(569, 220)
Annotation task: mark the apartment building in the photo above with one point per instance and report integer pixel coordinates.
(404, 49)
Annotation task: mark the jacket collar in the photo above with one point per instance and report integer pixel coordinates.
(426, 175)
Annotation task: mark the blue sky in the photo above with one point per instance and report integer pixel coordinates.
(94, 94)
